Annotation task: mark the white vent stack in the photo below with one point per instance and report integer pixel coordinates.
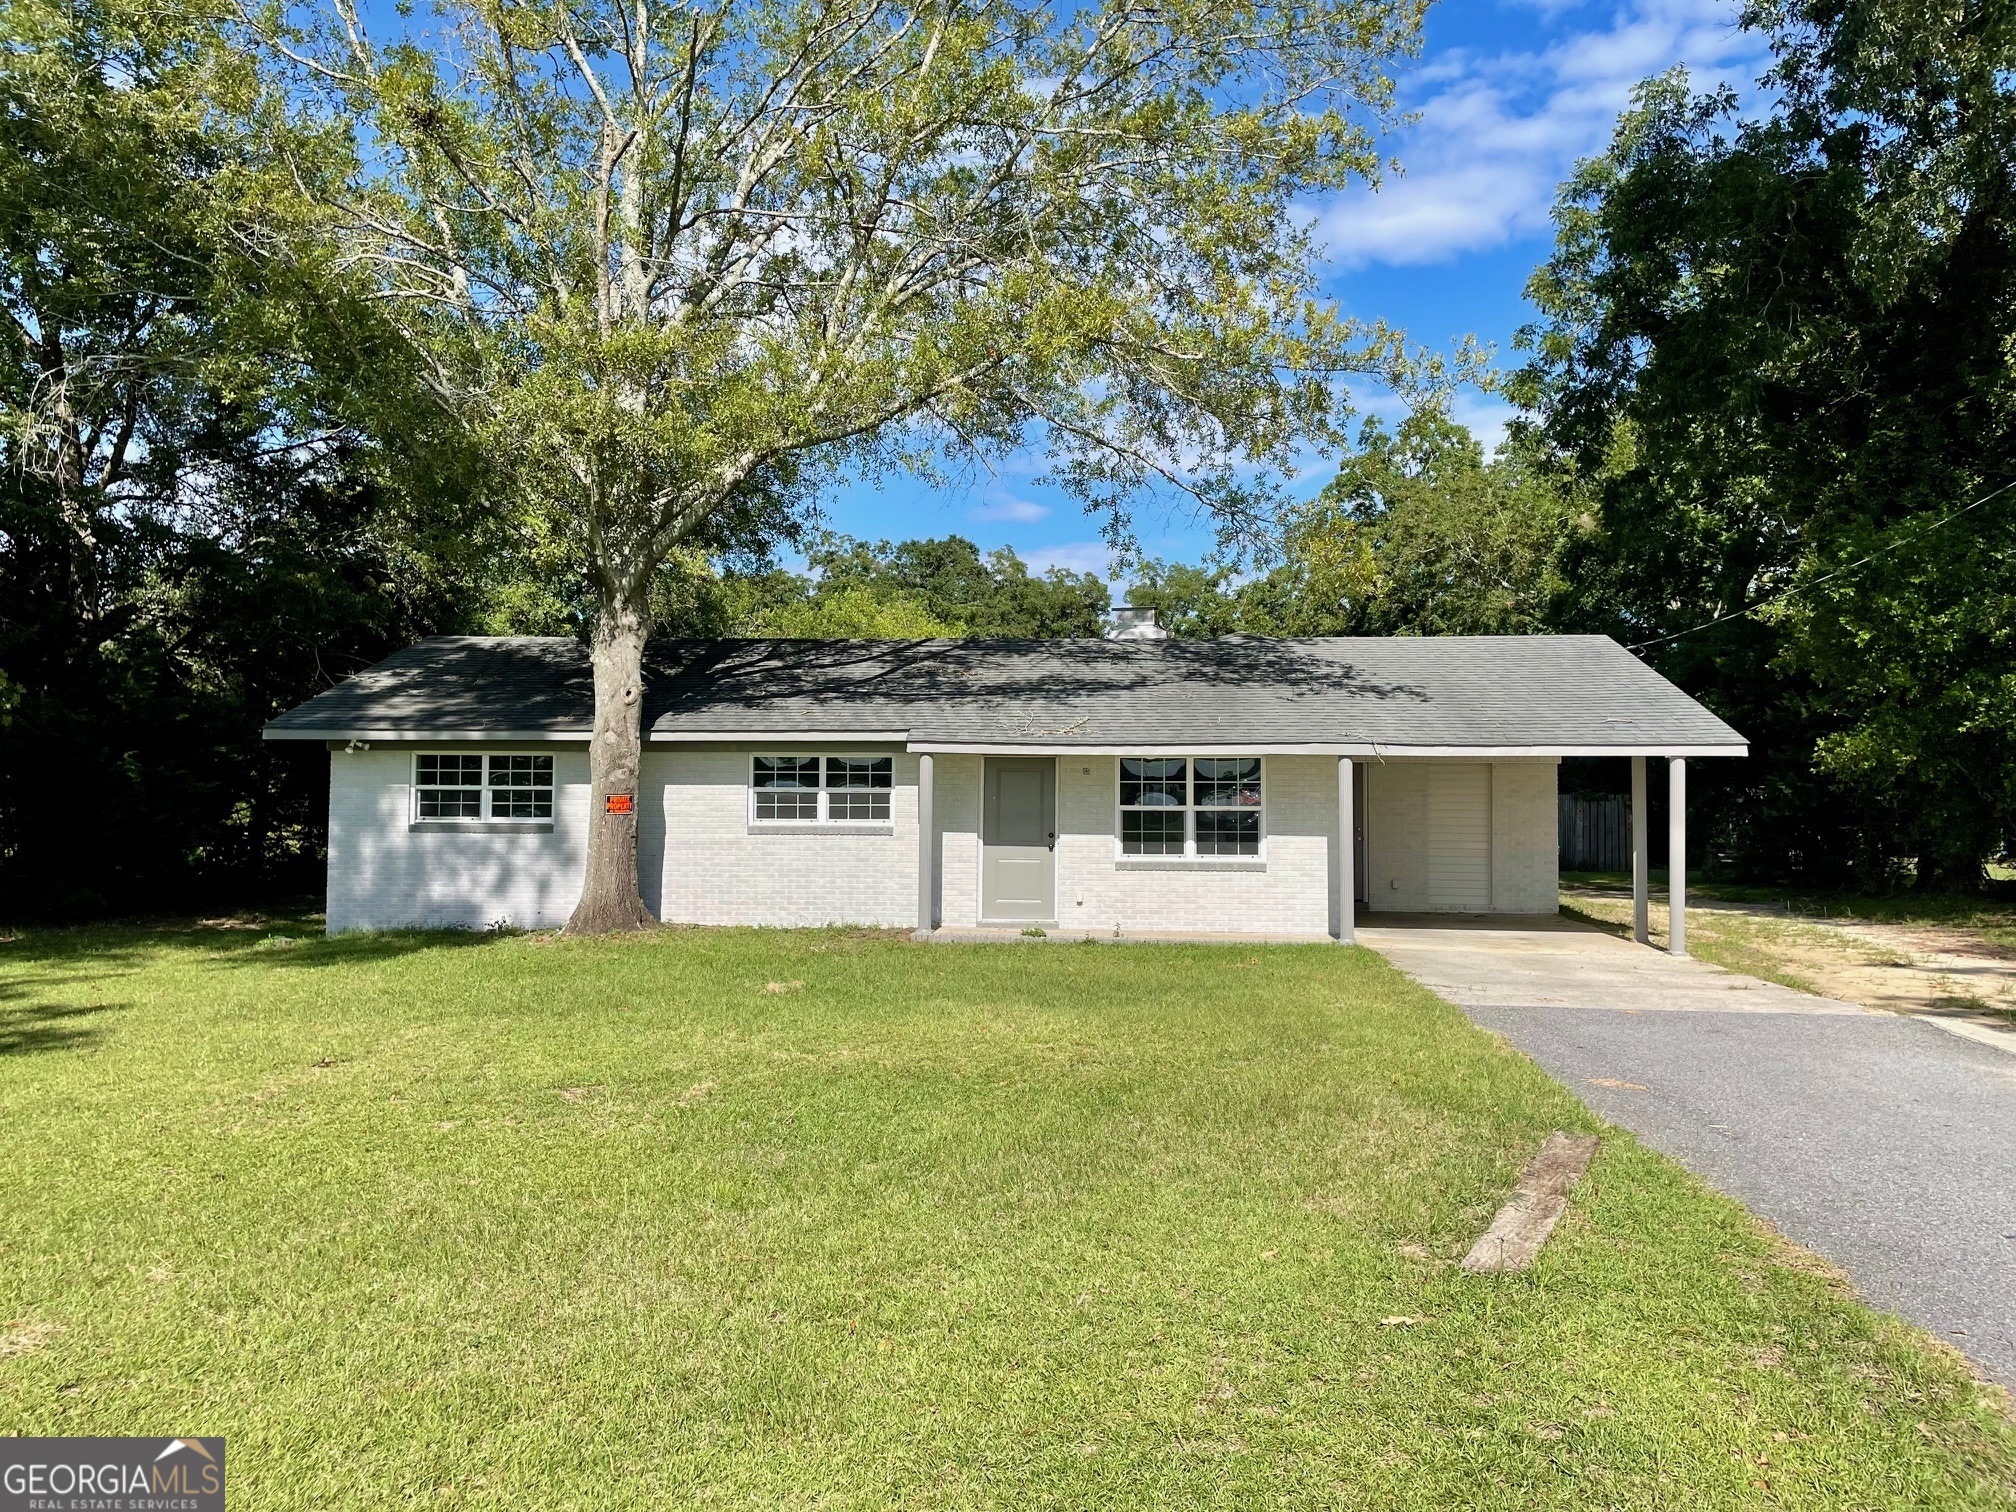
(1132, 623)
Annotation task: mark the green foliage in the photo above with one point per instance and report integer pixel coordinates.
(194, 530)
(995, 595)
(1776, 349)
(1417, 534)
(853, 611)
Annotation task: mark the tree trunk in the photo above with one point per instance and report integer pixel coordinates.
(609, 896)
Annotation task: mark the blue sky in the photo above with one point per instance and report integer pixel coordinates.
(1509, 93)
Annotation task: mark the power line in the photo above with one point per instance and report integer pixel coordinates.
(1765, 603)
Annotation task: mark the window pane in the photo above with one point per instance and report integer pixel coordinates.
(787, 803)
(1228, 832)
(448, 771)
(521, 803)
(860, 771)
(787, 771)
(1152, 834)
(521, 787)
(449, 787)
(856, 804)
(451, 803)
(1223, 783)
(521, 771)
(1152, 782)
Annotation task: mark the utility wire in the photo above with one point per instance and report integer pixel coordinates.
(1784, 593)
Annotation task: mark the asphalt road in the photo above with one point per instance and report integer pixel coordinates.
(1886, 1144)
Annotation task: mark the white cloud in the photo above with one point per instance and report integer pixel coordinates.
(1008, 507)
(1485, 418)
(1072, 556)
(1498, 133)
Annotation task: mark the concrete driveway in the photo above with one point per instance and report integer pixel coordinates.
(1884, 1143)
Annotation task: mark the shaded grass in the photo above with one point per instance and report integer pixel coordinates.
(750, 1218)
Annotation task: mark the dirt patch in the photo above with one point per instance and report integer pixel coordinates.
(1902, 968)
(25, 1336)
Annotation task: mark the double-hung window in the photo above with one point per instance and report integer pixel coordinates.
(482, 787)
(1190, 805)
(821, 789)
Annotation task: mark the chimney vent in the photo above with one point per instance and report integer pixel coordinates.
(1131, 623)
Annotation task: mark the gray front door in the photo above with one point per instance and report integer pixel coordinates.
(1018, 839)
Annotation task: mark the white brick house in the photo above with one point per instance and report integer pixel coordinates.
(1122, 787)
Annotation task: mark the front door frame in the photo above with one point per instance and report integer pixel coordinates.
(1056, 888)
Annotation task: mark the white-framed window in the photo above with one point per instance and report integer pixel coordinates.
(820, 789)
(482, 787)
(1192, 806)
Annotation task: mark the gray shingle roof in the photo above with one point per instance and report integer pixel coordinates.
(1552, 692)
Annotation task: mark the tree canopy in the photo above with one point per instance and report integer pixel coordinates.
(1416, 534)
(1779, 351)
(196, 525)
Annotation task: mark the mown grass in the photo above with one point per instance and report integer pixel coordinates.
(734, 1218)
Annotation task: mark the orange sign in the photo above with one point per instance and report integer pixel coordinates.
(618, 803)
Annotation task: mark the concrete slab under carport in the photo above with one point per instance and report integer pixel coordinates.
(1871, 1138)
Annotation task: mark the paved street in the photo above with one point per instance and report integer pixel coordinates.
(1884, 1143)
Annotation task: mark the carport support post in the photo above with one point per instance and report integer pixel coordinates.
(927, 850)
(1347, 858)
(1641, 857)
(1676, 855)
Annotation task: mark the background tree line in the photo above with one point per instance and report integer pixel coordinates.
(1770, 372)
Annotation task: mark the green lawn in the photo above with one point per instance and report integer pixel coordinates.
(736, 1218)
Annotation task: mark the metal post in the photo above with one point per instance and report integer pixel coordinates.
(1676, 858)
(1641, 856)
(1347, 858)
(927, 851)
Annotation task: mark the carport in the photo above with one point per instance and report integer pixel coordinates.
(1428, 816)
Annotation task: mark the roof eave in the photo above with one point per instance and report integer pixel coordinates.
(1369, 750)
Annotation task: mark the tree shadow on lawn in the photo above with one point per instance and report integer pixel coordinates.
(39, 1027)
(78, 953)
(282, 952)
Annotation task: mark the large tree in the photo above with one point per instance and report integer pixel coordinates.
(1780, 350)
(194, 530)
(676, 262)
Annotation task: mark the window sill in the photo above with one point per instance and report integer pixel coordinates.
(480, 826)
(815, 827)
(1191, 863)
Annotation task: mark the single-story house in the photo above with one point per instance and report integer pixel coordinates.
(1134, 786)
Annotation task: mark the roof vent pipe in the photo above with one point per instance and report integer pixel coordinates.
(1132, 623)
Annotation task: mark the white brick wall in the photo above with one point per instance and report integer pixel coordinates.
(1525, 838)
(955, 802)
(701, 863)
(1288, 893)
(384, 876)
(1524, 841)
